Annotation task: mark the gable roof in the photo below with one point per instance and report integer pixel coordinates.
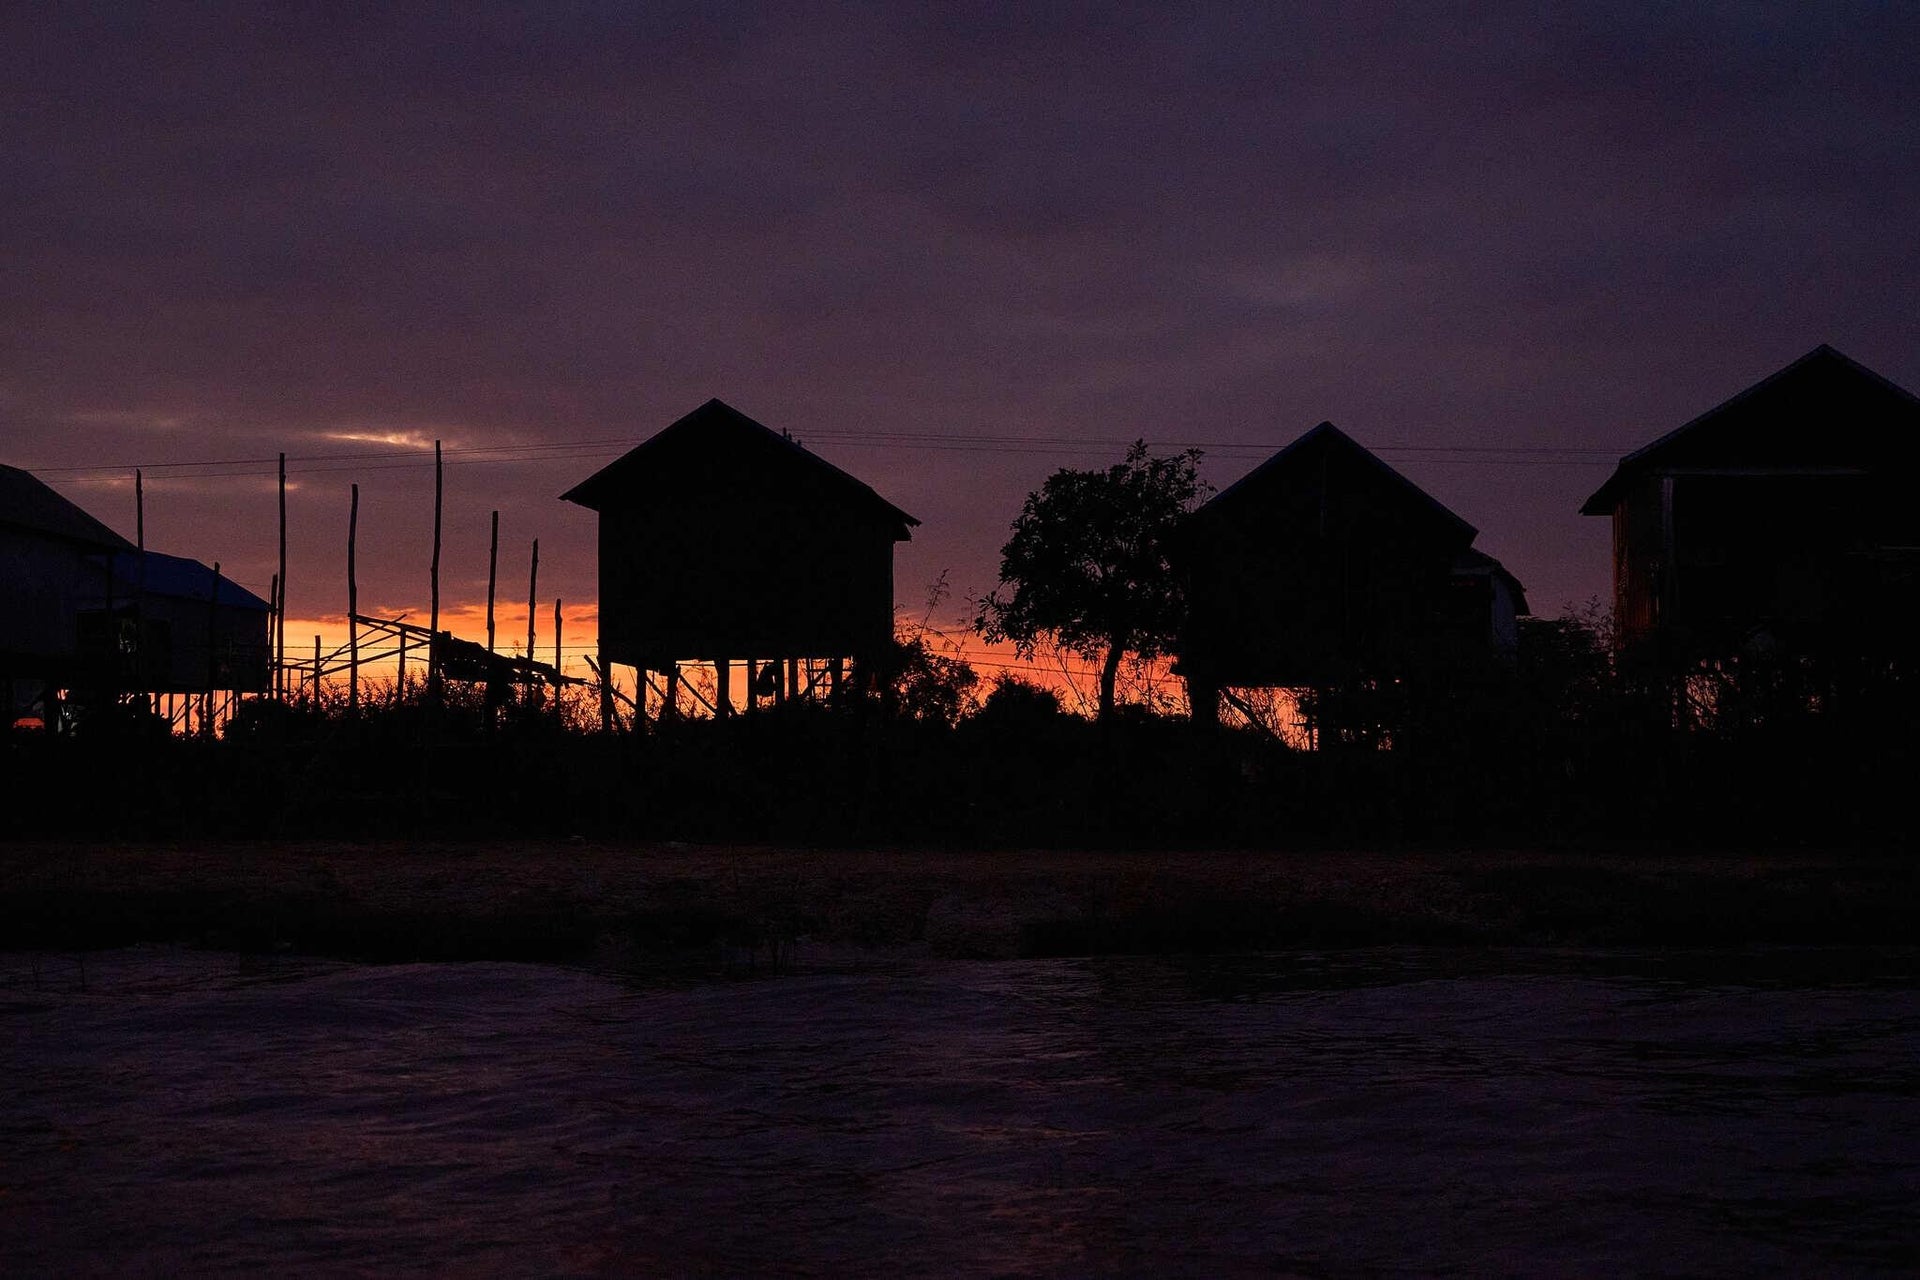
(180, 577)
(1474, 563)
(1328, 438)
(1823, 377)
(716, 447)
(27, 502)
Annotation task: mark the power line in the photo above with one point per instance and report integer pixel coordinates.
(957, 442)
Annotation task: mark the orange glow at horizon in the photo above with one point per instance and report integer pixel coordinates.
(1075, 680)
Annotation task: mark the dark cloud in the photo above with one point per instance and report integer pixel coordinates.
(232, 233)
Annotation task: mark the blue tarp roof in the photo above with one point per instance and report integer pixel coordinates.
(179, 577)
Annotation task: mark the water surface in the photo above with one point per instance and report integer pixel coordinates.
(1516, 1113)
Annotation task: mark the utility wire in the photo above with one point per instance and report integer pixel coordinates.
(1009, 445)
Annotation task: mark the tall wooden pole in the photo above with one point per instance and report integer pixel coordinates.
(280, 610)
(140, 659)
(273, 637)
(493, 567)
(533, 591)
(556, 635)
(213, 618)
(533, 588)
(433, 625)
(353, 610)
(316, 673)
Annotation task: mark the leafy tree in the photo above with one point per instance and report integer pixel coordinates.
(931, 687)
(1087, 567)
(1013, 701)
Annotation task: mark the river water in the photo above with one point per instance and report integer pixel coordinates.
(1520, 1113)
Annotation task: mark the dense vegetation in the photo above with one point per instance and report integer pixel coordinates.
(1562, 746)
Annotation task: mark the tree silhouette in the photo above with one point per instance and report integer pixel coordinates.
(1087, 564)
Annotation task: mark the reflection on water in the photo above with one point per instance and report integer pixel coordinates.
(1518, 1113)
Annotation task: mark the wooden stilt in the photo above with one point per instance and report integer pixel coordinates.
(723, 686)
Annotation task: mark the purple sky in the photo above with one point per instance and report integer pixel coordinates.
(1544, 228)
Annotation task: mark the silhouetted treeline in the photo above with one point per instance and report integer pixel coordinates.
(1562, 746)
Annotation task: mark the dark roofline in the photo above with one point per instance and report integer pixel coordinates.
(69, 521)
(1473, 560)
(1327, 429)
(1603, 499)
(581, 494)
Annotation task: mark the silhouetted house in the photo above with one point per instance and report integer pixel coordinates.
(195, 631)
(721, 540)
(82, 609)
(1785, 516)
(1325, 565)
(52, 569)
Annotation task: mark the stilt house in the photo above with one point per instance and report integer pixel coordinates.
(83, 609)
(723, 541)
(1785, 516)
(1324, 565)
(196, 630)
(53, 560)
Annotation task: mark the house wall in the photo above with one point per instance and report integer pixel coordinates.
(730, 579)
(42, 590)
(1328, 569)
(1639, 559)
(1706, 560)
(174, 647)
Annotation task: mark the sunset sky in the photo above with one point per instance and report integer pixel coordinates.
(950, 249)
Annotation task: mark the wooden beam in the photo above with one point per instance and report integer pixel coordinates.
(1240, 704)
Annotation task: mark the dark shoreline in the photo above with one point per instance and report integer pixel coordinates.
(575, 901)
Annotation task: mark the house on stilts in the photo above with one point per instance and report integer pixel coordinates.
(87, 619)
(1325, 569)
(1782, 520)
(724, 542)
